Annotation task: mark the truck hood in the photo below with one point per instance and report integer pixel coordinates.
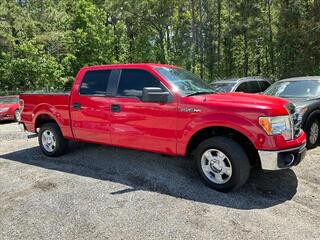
(247, 100)
(301, 102)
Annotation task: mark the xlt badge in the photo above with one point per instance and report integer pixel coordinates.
(190, 110)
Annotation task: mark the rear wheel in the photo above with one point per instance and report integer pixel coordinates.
(51, 140)
(222, 163)
(312, 130)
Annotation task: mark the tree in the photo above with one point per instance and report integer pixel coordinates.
(28, 68)
(46, 42)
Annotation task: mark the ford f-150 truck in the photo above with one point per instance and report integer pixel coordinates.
(166, 109)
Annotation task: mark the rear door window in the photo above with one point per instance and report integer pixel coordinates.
(95, 82)
(132, 82)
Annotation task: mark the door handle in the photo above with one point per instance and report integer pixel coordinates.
(76, 106)
(115, 108)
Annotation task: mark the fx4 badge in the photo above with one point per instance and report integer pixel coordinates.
(190, 110)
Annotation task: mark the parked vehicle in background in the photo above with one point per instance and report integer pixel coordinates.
(246, 84)
(9, 108)
(168, 110)
(304, 92)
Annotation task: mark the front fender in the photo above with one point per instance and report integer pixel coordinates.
(246, 125)
(310, 115)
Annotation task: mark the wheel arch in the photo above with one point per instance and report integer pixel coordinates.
(43, 118)
(315, 112)
(239, 137)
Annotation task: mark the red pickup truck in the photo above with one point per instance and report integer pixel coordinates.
(168, 110)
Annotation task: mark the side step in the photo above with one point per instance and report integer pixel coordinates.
(32, 136)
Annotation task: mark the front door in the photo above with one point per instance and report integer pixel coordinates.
(89, 108)
(142, 125)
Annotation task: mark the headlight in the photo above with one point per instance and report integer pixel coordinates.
(3, 110)
(277, 125)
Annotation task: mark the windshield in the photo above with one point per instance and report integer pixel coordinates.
(222, 86)
(8, 100)
(184, 81)
(295, 89)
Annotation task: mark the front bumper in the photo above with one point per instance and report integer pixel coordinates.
(276, 160)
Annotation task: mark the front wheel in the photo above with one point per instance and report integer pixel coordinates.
(222, 163)
(312, 131)
(51, 141)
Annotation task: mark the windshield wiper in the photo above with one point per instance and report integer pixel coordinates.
(198, 93)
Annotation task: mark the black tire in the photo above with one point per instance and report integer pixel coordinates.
(61, 144)
(237, 157)
(310, 143)
(17, 115)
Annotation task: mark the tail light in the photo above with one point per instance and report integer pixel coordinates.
(21, 105)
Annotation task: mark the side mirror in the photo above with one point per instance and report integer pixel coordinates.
(154, 94)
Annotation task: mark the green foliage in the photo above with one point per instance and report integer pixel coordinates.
(89, 36)
(29, 66)
(44, 43)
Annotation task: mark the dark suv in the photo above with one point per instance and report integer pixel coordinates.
(304, 92)
(246, 84)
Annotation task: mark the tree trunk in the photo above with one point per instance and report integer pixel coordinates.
(162, 50)
(201, 40)
(130, 36)
(219, 35)
(258, 58)
(193, 34)
(168, 40)
(246, 53)
(271, 47)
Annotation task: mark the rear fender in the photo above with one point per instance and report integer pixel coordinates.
(53, 113)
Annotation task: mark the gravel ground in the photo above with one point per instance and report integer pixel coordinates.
(100, 192)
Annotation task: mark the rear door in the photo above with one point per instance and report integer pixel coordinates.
(89, 107)
(142, 125)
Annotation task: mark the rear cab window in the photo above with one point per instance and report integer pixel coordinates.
(95, 83)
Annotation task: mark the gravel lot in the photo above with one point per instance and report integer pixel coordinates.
(111, 193)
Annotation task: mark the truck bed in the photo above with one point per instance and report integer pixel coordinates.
(54, 105)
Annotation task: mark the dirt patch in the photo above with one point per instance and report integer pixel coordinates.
(45, 186)
(3, 164)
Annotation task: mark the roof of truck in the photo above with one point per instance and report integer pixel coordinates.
(130, 65)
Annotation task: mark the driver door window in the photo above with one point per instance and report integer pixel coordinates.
(132, 82)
